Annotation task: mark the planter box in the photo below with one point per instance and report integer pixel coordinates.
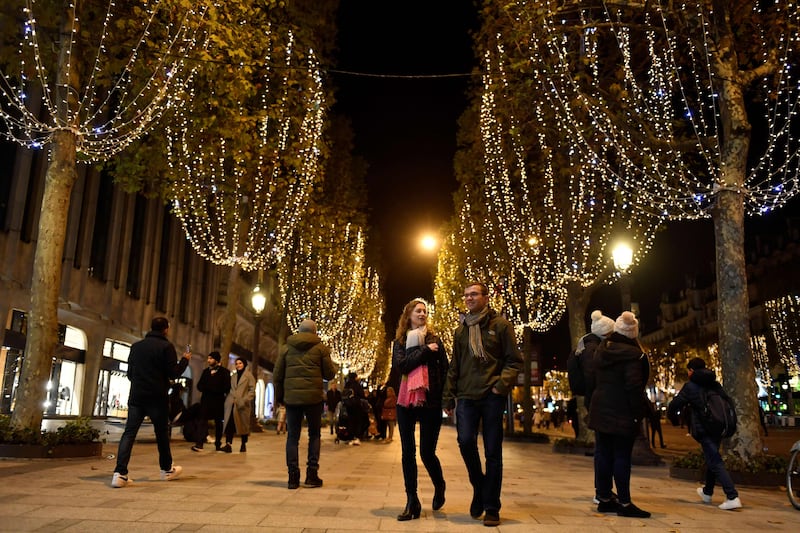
(38, 451)
(572, 448)
(761, 479)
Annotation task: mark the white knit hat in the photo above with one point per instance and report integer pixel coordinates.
(627, 325)
(601, 324)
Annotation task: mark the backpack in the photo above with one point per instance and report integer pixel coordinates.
(717, 415)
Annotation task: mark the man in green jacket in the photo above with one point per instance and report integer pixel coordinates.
(301, 367)
(482, 373)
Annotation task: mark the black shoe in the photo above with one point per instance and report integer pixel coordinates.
(312, 479)
(438, 496)
(611, 506)
(491, 519)
(197, 448)
(476, 507)
(412, 510)
(294, 480)
(632, 511)
(226, 449)
(243, 448)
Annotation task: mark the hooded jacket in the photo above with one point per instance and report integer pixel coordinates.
(300, 369)
(621, 371)
(691, 397)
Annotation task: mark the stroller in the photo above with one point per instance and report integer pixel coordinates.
(348, 417)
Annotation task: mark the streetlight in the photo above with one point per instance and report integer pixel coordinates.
(622, 255)
(429, 243)
(259, 301)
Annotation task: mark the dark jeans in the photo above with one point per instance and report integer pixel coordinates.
(469, 415)
(430, 422)
(715, 469)
(612, 463)
(159, 416)
(294, 420)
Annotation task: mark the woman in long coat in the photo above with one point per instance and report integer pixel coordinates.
(239, 406)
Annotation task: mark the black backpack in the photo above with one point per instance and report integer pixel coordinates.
(717, 416)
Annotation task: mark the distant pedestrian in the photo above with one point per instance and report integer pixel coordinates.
(616, 412)
(332, 399)
(239, 406)
(572, 414)
(280, 418)
(483, 370)
(301, 367)
(690, 401)
(389, 413)
(654, 421)
(152, 363)
(419, 355)
(214, 384)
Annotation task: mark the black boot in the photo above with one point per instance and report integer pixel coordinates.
(438, 496)
(294, 479)
(412, 510)
(312, 479)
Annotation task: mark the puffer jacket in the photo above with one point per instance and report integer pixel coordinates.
(691, 398)
(406, 360)
(621, 371)
(300, 369)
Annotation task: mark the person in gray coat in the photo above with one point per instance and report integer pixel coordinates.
(301, 367)
(239, 406)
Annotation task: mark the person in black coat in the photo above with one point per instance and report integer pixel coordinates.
(332, 399)
(690, 399)
(214, 383)
(616, 410)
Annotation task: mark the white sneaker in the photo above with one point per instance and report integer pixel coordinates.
(173, 473)
(706, 498)
(118, 480)
(729, 505)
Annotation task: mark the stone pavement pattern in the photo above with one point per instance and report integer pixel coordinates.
(363, 491)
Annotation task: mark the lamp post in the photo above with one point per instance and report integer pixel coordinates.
(258, 300)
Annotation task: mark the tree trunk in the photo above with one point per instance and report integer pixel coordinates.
(577, 302)
(46, 280)
(738, 370)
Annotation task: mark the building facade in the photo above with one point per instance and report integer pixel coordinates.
(125, 261)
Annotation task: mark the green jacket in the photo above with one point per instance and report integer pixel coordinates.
(470, 378)
(301, 366)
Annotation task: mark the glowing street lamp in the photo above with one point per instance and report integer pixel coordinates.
(623, 259)
(259, 301)
(429, 243)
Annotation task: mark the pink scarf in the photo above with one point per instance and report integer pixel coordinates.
(414, 385)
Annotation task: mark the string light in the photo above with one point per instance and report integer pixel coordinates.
(783, 316)
(239, 199)
(117, 102)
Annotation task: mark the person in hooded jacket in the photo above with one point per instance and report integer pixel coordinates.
(298, 377)
(690, 398)
(616, 409)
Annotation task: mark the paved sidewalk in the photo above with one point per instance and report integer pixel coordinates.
(363, 491)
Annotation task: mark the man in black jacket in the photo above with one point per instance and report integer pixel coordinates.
(691, 397)
(151, 364)
(214, 383)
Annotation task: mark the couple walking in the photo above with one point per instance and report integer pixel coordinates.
(480, 376)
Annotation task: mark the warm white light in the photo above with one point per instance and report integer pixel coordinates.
(258, 300)
(429, 243)
(623, 257)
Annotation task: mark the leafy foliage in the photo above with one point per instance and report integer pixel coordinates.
(78, 431)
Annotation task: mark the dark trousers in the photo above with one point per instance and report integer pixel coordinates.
(612, 463)
(159, 416)
(201, 437)
(430, 423)
(294, 420)
(715, 469)
(230, 429)
(469, 416)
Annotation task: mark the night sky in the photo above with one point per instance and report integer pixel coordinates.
(406, 131)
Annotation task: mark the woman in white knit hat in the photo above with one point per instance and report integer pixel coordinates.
(615, 413)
